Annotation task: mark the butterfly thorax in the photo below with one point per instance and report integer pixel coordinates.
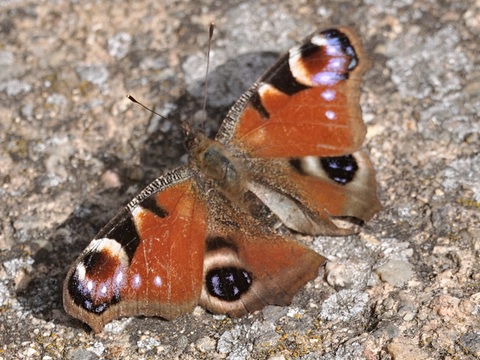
(218, 164)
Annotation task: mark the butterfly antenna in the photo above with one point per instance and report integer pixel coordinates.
(210, 36)
(186, 129)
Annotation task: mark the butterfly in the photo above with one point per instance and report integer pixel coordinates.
(207, 233)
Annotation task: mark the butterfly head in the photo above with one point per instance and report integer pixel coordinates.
(195, 140)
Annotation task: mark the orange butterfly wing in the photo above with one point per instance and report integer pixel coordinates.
(247, 265)
(305, 112)
(147, 261)
(306, 104)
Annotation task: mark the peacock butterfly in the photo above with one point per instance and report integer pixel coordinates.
(206, 233)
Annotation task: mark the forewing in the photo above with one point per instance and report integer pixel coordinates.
(147, 261)
(306, 104)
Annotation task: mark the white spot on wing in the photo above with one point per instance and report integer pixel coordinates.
(336, 64)
(327, 78)
(119, 278)
(294, 53)
(331, 115)
(136, 281)
(334, 50)
(311, 166)
(319, 40)
(80, 272)
(137, 211)
(329, 94)
(110, 245)
(157, 281)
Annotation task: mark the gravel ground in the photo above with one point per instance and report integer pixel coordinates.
(74, 151)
